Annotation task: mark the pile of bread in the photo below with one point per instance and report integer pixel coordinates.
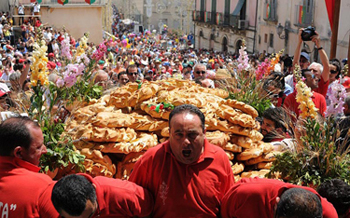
(132, 119)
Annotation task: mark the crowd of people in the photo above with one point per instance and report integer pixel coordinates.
(185, 176)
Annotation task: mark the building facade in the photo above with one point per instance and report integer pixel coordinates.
(154, 14)
(221, 25)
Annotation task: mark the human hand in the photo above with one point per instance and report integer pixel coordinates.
(316, 39)
(299, 35)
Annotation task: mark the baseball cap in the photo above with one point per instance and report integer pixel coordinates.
(305, 55)
(4, 89)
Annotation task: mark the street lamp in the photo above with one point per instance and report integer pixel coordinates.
(280, 29)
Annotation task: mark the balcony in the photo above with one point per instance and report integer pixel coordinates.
(270, 9)
(198, 16)
(303, 16)
(208, 17)
(219, 18)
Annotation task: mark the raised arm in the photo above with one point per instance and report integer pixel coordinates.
(323, 57)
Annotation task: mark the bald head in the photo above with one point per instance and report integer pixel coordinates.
(101, 78)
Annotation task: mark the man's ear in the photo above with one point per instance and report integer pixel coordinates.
(17, 152)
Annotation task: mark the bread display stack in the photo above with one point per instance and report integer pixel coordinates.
(115, 131)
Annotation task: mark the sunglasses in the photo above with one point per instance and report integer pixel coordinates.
(200, 72)
(135, 74)
(334, 71)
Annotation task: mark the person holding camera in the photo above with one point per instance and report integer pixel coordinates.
(320, 71)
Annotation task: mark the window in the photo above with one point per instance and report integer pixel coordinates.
(265, 40)
(271, 40)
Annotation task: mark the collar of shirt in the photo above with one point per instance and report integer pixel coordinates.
(208, 152)
(17, 163)
(99, 194)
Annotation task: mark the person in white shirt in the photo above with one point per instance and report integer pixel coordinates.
(21, 13)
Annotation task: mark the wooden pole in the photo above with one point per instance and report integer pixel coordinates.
(334, 38)
(349, 57)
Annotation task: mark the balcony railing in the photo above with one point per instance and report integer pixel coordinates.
(198, 16)
(219, 18)
(208, 17)
(303, 18)
(269, 13)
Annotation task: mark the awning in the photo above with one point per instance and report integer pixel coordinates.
(238, 7)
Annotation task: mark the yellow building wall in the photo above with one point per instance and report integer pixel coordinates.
(76, 19)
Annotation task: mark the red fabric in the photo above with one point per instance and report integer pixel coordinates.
(181, 190)
(291, 104)
(115, 197)
(257, 198)
(37, 23)
(330, 8)
(322, 87)
(20, 185)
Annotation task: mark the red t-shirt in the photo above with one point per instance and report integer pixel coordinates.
(257, 198)
(115, 197)
(181, 190)
(20, 187)
(291, 104)
(322, 87)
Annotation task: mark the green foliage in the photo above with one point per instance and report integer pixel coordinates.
(250, 93)
(316, 158)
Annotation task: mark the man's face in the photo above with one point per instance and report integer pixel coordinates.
(333, 73)
(346, 109)
(316, 71)
(304, 63)
(267, 126)
(132, 74)
(90, 210)
(36, 148)
(311, 80)
(102, 80)
(199, 72)
(186, 137)
(123, 79)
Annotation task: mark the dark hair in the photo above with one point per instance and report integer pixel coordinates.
(337, 65)
(279, 116)
(130, 66)
(121, 73)
(275, 79)
(15, 132)
(189, 109)
(338, 193)
(303, 71)
(71, 194)
(298, 202)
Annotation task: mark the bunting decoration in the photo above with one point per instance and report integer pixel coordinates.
(62, 2)
(90, 1)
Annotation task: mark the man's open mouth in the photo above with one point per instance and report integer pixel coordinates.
(186, 153)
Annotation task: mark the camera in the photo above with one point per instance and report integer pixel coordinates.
(307, 33)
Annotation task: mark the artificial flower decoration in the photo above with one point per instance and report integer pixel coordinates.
(336, 95)
(243, 59)
(39, 66)
(304, 94)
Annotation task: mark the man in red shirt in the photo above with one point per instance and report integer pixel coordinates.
(321, 71)
(83, 196)
(267, 198)
(21, 146)
(187, 175)
(319, 100)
